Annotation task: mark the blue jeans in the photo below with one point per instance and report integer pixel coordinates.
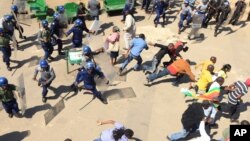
(178, 135)
(153, 67)
(11, 106)
(6, 55)
(129, 59)
(160, 74)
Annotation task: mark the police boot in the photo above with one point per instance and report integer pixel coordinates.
(10, 115)
(44, 99)
(9, 68)
(61, 53)
(19, 115)
(102, 100)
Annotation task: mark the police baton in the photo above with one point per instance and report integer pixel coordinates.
(151, 14)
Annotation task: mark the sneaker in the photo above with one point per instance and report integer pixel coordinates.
(155, 25)
(175, 84)
(148, 83)
(162, 25)
(10, 115)
(19, 115)
(234, 120)
(44, 99)
(169, 138)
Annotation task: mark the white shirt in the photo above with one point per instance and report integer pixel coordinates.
(130, 24)
(107, 135)
(209, 110)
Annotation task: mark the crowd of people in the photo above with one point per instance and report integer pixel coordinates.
(207, 89)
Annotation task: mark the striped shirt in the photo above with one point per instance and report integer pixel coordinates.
(241, 89)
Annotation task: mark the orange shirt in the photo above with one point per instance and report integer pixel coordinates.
(181, 66)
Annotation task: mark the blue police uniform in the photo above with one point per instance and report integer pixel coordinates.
(9, 27)
(77, 36)
(55, 30)
(160, 7)
(129, 6)
(88, 80)
(145, 3)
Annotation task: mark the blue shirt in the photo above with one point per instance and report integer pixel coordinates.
(137, 45)
(77, 33)
(54, 28)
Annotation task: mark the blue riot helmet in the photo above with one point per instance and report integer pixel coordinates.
(45, 23)
(78, 22)
(3, 81)
(56, 16)
(86, 50)
(61, 9)
(90, 65)
(8, 17)
(14, 8)
(44, 64)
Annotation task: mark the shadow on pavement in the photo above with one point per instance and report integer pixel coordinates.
(32, 111)
(15, 136)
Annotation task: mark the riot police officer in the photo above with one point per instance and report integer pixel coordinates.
(9, 27)
(240, 5)
(223, 12)
(5, 48)
(185, 15)
(211, 11)
(45, 39)
(160, 7)
(55, 33)
(7, 97)
(47, 76)
(77, 31)
(87, 77)
(14, 8)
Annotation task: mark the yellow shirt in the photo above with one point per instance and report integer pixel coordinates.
(204, 65)
(205, 78)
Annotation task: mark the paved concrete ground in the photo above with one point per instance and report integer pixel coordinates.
(155, 112)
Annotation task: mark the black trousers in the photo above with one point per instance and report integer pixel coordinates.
(234, 110)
